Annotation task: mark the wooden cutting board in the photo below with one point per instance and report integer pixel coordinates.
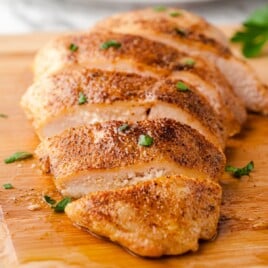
(41, 238)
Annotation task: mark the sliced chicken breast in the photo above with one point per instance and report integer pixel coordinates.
(133, 116)
(53, 102)
(135, 54)
(101, 157)
(193, 35)
(196, 30)
(133, 216)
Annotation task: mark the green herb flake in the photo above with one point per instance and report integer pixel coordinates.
(254, 35)
(145, 140)
(73, 47)
(123, 128)
(60, 206)
(239, 172)
(189, 62)
(181, 86)
(17, 157)
(3, 116)
(49, 200)
(8, 186)
(180, 32)
(110, 43)
(82, 98)
(160, 8)
(175, 14)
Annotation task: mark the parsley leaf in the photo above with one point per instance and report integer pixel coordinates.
(160, 8)
(110, 43)
(123, 128)
(259, 17)
(181, 86)
(17, 157)
(60, 206)
(255, 33)
(145, 140)
(175, 14)
(49, 200)
(189, 62)
(8, 186)
(82, 98)
(239, 172)
(180, 31)
(73, 47)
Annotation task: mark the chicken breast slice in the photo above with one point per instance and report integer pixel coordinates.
(162, 216)
(196, 30)
(192, 34)
(100, 157)
(53, 102)
(145, 57)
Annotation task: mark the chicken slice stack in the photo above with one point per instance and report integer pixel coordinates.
(133, 116)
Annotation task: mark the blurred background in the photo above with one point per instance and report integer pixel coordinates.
(22, 16)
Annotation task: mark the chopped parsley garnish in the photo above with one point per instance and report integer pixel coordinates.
(254, 35)
(160, 8)
(180, 31)
(3, 116)
(110, 43)
(60, 206)
(123, 128)
(175, 14)
(239, 172)
(82, 98)
(17, 157)
(145, 140)
(73, 47)
(189, 62)
(181, 86)
(49, 200)
(8, 186)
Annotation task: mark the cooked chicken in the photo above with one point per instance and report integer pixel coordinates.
(145, 57)
(134, 116)
(53, 102)
(163, 216)
(101, 157)
(193, 35)
(197, 32)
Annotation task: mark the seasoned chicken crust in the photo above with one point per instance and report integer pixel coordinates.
(189, 27)
(140, 55)
(55, 98)
(193, 35)
(133, 117)
(163, 216)
(79, 157)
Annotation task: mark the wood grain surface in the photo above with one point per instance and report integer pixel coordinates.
(42, 238)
